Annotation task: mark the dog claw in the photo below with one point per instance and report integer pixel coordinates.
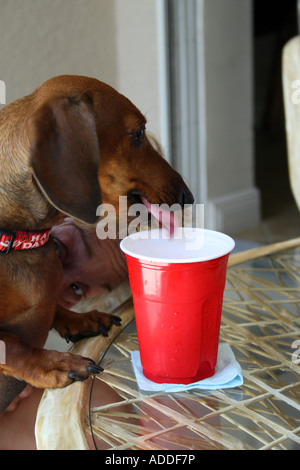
(115, 320)
(71, 338)
(94, 369)
(89, 359)
(103, 331)
(75, 376)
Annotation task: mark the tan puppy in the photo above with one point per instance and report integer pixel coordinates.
(56, 145)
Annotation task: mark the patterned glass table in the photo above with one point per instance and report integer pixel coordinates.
(260, 321)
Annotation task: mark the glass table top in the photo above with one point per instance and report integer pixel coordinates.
(261, 323)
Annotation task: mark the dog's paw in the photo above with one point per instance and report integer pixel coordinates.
(90, 324)
(56, 370)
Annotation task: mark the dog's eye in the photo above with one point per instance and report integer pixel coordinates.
(137, 137)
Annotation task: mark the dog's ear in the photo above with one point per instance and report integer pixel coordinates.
(64, 156)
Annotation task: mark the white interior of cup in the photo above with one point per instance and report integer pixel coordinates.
(188, 245)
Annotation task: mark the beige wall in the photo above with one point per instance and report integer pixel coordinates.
(116, 41)
(43, 38)
(229, 94)
(232, 200)
(137, 56)
(112, 40)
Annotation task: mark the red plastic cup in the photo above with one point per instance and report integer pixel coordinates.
(177, 288)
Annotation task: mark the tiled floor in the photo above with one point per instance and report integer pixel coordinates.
(283, 225)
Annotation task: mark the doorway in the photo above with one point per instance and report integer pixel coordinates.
(273, 25)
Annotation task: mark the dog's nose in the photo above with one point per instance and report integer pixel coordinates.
(185, 197)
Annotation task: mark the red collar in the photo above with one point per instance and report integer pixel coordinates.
(22, 240)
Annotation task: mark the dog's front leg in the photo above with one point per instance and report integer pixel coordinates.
(76, 326)
(43, 368)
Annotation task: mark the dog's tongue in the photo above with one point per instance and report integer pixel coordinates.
(166, 218)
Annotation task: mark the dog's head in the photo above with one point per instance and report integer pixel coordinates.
(83, 128)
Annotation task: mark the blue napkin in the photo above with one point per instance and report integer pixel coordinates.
(228, 374)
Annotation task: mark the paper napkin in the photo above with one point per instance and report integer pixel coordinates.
(228, 374)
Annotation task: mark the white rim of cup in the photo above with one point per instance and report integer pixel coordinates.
(228, 242)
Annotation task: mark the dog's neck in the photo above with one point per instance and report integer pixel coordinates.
(22, 206)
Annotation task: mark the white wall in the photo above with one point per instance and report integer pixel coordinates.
(233, 202)
(112, 40)
(229, 94)
(43, 38)
(138, 57)
(117, 41)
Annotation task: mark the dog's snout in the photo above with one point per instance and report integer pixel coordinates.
(185, 197)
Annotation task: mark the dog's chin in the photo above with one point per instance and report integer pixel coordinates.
(135, 197)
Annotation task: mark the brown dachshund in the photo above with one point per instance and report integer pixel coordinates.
(56, 145)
